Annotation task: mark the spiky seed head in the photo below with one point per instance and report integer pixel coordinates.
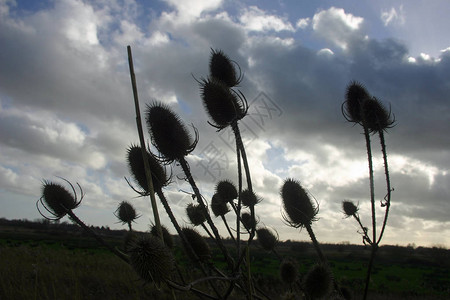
(355, 96)
(349, 208)
(198, 244)
(222, 68)
(168, 240)
(151, 259)
(227, 190)
(288, 271)
(218, 206)
(266, 238)
(220, 102)
(126, 212)
(248, 221)
(57, 199)
(137, 169)
(196, 214)
(376, 117)
(318, 282)
(249, 198)
(168, 132)
(297, 204)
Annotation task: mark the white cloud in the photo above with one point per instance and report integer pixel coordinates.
(189, 10)
(393, 16)
(255, 19)
(325, 52)
(336, 26)
(303, 23)
(76, 116)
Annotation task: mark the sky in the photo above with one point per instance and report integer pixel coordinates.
(67, 105)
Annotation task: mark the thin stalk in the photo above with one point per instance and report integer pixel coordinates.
(239, 204)
(315, 243)
(187, 172)
(241, 147)
(148, 172)
(372, 202)
(369, 269)
(207, 231)
(388, 185)
(228, 228)
(371, 182)
(175, 224)
(185, 243)
(97, 237)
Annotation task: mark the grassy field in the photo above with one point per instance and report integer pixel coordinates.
(37, 265)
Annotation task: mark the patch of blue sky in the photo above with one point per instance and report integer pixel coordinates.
(184, 106)
(276, 162)
(25, 7)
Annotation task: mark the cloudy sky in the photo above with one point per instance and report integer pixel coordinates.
(67, 108)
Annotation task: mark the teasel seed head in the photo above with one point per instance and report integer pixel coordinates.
(266, 238)
(288, 271)
(376, 117)
(57, 200)
(196, 214)
(249, 198)
(355, 97)
(222, 104)
(226, 190)
(222, 68)
(169, 134)
(167, 237)
(137, 169)
(349, 208)
(218, 206)
(318, 282)
(298, 207)
(198, 244)
(248, 221)
(151, 259)
(126, 213)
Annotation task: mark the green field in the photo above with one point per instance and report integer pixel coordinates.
(57, 265)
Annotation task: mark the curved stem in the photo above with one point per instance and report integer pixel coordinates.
(228, 228)
(241, 147)
(315, 243)
(371, 183)
(97, 237)
(239, 204)
(218, 240)
(388, 185)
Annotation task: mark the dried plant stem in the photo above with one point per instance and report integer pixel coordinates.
(218, 239)
(241, 147)
(372, 202)
(97, 237)
(175, 224)
(388, 185)
(315, 243)
(371, 182)
(228, 228)
(148, 173)
(239, 204)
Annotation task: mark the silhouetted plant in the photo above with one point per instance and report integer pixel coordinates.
(361, 108)
(150, 254)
